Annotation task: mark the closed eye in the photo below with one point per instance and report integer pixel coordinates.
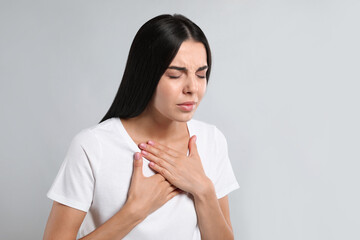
(201, 73)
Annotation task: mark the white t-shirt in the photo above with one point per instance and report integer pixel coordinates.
(96, 173)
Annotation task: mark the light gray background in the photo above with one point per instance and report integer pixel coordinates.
(284, 90)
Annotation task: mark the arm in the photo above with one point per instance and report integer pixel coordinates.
(64, 223)
(213, 215)
(118, 226)
(146, 194)
(187, 173)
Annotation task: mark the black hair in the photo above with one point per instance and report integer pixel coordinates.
(152, 50)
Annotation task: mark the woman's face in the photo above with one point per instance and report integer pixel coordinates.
(184, 81)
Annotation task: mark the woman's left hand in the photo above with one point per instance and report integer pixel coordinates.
(184, 172)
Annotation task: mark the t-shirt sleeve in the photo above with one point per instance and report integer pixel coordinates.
(74, 183)
(225, 180)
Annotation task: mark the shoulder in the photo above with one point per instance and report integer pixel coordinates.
(99, 134)
(202, 127)
(96, 133)
(106, 127)
(209, 129)
(90, 138)
(210, 135)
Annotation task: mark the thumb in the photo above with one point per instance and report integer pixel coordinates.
(192, 146)
(138, 163)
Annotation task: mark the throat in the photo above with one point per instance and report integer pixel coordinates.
(177, 139)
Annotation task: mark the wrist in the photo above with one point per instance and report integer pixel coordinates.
(133, 210)
(205, 190)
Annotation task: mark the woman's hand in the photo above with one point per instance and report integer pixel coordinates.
(147, 194)
(184, 172)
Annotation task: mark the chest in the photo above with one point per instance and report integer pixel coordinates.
(110, 194)
(181, 144)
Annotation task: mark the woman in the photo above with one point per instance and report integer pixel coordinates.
(141, 173)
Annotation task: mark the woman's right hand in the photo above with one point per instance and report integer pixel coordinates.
(147, 194)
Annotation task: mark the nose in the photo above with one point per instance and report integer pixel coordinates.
(191, 85)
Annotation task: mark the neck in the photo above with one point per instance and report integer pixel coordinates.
(158, 127)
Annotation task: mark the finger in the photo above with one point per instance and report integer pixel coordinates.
(160, 177)
(163, 171)
(156, 152)
(172, 188)
(164, 148)
(156, 159)
(170, 151)
(192, 146)
(173, 194)
(138, 163)
(168, 187)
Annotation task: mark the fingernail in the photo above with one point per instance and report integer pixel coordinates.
(150, 142)
(142, 145)
(137, 156)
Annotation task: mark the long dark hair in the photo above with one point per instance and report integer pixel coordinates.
(152, 50)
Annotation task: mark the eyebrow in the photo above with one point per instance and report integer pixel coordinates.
(185, 69)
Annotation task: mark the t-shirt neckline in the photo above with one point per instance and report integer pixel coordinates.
(131, 142)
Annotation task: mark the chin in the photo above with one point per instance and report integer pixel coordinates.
(179, 116)
(184, 117)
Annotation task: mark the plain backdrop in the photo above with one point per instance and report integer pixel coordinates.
(284, 90)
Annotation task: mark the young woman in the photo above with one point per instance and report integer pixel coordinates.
(148, 170)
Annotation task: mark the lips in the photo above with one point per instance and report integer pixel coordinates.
(187, 103)
(187, 106)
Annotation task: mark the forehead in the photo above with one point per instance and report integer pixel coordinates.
(191, 55)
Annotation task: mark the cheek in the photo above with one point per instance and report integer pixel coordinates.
(165, 92)
(202, 89)
(165, 95)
